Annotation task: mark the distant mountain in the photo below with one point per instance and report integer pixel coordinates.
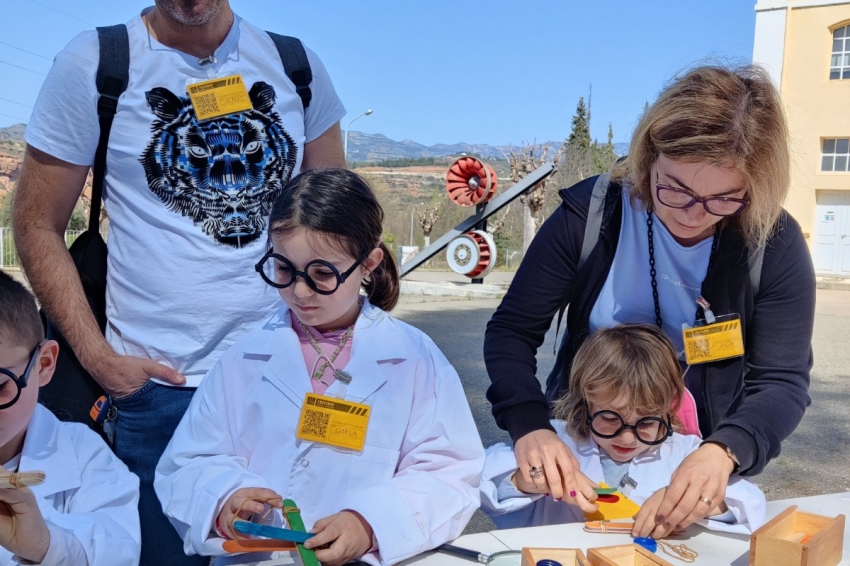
(377, 147)
(13, 133)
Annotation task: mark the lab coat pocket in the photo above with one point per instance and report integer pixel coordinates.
(372, 466)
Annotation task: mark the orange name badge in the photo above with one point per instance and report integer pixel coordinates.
(717, 341)
(333, 421)
(219, 97)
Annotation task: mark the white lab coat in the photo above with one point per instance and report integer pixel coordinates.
(651, 471)
(415, 482)
(89, 499)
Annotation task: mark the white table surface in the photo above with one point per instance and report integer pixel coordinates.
(714, 548)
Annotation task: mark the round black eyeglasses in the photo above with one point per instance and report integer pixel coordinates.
(649, 430)
(11, 384)
(320, 275)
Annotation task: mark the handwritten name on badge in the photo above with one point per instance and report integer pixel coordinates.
(712, 342)
(333, 421)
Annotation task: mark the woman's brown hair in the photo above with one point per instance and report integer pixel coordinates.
(637, 361)
(720, 116)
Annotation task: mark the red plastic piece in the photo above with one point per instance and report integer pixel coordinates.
(470, 182)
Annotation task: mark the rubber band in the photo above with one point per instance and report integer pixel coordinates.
(680, 551)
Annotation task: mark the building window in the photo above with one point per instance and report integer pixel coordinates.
(835, 155)
(839, 64)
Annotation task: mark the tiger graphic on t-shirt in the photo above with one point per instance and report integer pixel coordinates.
(224, 173)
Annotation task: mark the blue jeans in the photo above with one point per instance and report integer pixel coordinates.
(146, 421)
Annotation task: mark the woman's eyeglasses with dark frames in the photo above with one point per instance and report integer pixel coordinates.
(10, 389)
(681, 198)
(649, 430)
(320, 275)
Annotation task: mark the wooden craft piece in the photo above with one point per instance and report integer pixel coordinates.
(9, 480)
(613, 506)
(257, 545)
(563, 556)
(293, 518)
(608, 527)
(624, 555)
(778, 542)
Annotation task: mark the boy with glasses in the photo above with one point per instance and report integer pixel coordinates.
(85, 511)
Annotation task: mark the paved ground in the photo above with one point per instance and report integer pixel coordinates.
(814, 460)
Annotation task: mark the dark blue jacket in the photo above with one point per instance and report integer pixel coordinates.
(752, 402)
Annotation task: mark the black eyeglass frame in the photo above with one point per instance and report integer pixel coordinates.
(21, 380)
(705, 201)
(340, 277)
(634, 428)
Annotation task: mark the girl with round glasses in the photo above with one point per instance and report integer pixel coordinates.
(689, 229)
(333, 403)
(619, 419)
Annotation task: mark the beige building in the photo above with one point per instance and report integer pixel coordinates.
(805, 46)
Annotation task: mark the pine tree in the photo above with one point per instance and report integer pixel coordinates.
(580, 134)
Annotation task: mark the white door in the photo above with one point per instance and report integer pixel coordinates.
(832, 249)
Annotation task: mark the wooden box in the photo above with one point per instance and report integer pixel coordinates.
(564, 556)
(624, 555)
(778, 543)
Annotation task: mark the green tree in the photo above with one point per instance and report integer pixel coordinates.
(603, 155)
(6, 210)
(580, 133)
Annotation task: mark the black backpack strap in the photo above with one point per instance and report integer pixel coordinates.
(295, 65)
(595, 211)
(113, 71)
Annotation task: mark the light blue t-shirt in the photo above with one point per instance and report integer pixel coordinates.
(627, 293)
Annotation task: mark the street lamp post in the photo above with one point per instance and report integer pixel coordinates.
(345, 145)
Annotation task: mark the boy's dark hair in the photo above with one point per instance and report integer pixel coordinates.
(19, 318)
(339, 204)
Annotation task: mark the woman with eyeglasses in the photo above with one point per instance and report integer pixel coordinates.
(618, 417)
(690, 236)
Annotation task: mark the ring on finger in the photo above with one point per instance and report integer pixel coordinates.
(706, 500)
(535, 472)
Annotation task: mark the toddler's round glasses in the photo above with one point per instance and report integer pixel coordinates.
(320, 275)
(681, 198)
(11, 384)
(649, 430)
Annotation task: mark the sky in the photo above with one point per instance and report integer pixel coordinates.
(444, 71)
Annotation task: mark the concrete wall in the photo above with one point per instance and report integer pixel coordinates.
(793, 41)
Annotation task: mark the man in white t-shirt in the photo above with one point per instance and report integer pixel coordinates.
(187, 202)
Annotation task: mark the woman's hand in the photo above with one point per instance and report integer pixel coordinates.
(560, 476)
(697, 488)
(22, 528)
(242, 505)
(348, 533)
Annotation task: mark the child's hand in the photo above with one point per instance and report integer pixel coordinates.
(22, 528)
(349, 534)
(243, 504)
(646, 522)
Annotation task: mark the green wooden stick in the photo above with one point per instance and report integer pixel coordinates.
(293, 519)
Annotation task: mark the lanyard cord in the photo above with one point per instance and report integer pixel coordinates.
(652, 273)
(317, 374)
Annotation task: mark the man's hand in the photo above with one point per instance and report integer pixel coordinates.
(561, 475)
(348, 533)
(243, 504)
(121, 376)
(22, 528)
